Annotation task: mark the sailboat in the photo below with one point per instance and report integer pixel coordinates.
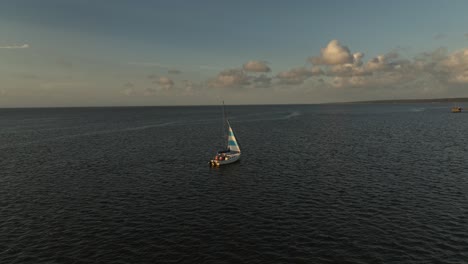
(231, 153)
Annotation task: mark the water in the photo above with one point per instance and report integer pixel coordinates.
(316, 184)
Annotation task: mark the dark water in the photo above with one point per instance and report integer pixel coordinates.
(316, 184)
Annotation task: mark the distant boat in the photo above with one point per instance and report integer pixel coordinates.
(456, 109)
(231, 153)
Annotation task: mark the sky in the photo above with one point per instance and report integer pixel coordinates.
(124, 53)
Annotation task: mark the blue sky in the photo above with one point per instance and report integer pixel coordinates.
(178, 52)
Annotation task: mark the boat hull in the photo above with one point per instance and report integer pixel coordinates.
(456, 109)
(231, 159)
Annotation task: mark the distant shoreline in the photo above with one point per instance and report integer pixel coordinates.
(387, 101)
(410, 101)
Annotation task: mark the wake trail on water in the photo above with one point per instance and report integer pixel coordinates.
(101, 132)
(282, 116)
(419, 109)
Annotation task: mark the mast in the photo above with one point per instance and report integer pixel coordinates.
(224, 125)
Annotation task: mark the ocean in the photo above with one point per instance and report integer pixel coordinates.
(341, 183)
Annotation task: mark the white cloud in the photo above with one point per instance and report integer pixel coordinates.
(262, 81)
(129, 91)
(456, 65)
(150, 91)
(357, 58)
(349, 70)
(165, 83)
(256, 66)
(298, 75)
(24, 46)
(334, 53)
(428, 74)
(230, 78)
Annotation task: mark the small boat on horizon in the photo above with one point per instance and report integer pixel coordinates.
(231, 153)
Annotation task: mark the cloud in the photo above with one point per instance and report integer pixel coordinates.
(190, 87)
(262, 81)
(298, 75)
(174, 71)
(24, 46)
(343, 70)
(334, 53)
(456, 67)
(230, 78)
(165, 83)
(129, 91)
(150, 91)
(256, 66)
(390, 73)
(357, 58)
(378, 63)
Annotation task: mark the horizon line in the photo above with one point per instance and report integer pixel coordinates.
(419, 100)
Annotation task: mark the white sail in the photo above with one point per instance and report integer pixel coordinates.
(233, 146)
(232, 152)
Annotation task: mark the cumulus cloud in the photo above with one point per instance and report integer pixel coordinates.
(129, 89)
(262, 81)
(191, 87)
(378, 63)
(456, 65)
(298, 75)
(129, 92)
(150, 91)
(337, 67)
(343, 70)
(24, 46)
(165, 83)
(357, 58)
(230, 78)
(256, 66)
(334, 53)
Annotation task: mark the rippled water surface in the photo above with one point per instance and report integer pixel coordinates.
(316, 184)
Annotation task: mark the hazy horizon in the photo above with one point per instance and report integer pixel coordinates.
(120, 53)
